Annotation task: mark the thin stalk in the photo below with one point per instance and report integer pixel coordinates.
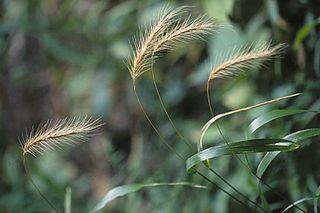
(26, 168)
(154, 127)
(236, 190)
(183, 159)
(241, 161)
(165, 110)
(208, 98)
(222, 189)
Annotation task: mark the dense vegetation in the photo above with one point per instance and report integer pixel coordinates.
(69, 58)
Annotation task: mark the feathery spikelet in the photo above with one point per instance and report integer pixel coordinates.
(183, 31)
(246, 58)
(144, 45)
(163, 35)
(55, 133)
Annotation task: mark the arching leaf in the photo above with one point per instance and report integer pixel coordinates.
(126, 189)
(297, 137)
(241, 147)
(272, 115)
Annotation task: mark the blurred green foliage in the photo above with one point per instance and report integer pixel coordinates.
(69, 58)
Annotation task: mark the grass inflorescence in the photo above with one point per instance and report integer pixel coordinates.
(54, 133)
(167, 31)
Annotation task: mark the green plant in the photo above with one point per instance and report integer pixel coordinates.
(169, 31)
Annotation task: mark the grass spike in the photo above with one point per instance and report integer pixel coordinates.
(55, 133)
(163, 35)
(245, 58)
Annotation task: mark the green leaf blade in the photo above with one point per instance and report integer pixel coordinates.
(272, 115)
(303, 135)
(126, 189)
(241, 147)
(117, 192)
(297, 137)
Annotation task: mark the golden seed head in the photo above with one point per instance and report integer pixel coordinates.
(53, 134)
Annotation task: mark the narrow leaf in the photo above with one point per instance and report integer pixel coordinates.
(217, 117)
(304, 32)
(272, 115)
(297, 202)
(241, 147)
(301, 135)
(297, 137)
(265, 162)
(126, 189)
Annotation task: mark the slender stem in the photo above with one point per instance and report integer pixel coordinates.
(166, 112)
(220, 132)
(179, 156)
(208, 98)
(212, 114)
(26, 168)
(154, 127)
(236, 190)
(186, 142)
(222, 189)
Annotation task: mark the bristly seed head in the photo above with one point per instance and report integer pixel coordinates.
(246, 58)
(54, 133)
(164, 35)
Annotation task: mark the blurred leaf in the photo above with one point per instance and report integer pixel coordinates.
(242, 91)
(116, 20)
(60, 51)
(126, 189)
(241, 147)
(220, 10)
(67, 200)
(227, 40)
(256, 30)
(303, 33)
(272, 115)
(65, 8)
(11, 167)
(200, 75)
(274, 14)
(273, 10)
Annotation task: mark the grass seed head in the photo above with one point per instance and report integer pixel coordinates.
(54, 133)
(165, 34)
(245, 58)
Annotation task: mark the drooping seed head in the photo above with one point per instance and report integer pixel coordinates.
(245, 58)
(55, 133)
(163, 35)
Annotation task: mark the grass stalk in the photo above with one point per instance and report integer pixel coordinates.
(238, 62)
(53, 134)
(26, 168)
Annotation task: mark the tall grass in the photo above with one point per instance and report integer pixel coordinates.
(170, 29)
(162, 36)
